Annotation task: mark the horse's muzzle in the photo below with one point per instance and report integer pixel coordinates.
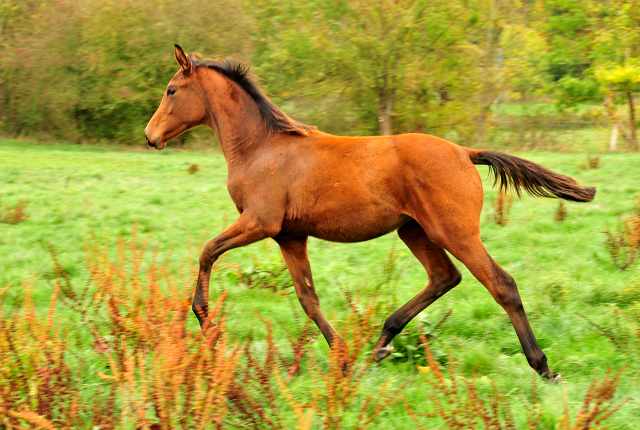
(153, 144)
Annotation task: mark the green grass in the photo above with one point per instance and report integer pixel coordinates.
(561, 268)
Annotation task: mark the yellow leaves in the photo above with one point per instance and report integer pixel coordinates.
(423, 369)
(619, 75)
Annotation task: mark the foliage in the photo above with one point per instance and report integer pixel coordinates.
(458, 404)
(621, 329)
(395, 65)
(623, 243)
(408, 344)
(593, 162)
(94, 71)
(15, 214)
(193, 169)
(561, 212)
(501, 208)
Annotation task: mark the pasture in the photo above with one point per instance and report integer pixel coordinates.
(80, 194)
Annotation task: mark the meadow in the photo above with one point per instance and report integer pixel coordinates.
(81, 200)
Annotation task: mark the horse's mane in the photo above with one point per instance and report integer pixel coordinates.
(271, 114)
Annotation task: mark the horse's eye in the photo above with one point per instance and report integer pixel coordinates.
(170, 92)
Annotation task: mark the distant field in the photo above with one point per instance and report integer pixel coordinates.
(562, 269)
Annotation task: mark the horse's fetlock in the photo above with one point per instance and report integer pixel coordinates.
(393, 326)
(538, 362)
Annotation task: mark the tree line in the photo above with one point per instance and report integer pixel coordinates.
(96, 70)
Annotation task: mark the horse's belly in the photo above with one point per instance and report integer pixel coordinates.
(352, 227)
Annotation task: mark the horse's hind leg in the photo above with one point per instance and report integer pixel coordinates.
(502, 286)
(294, 251)
(443, 276)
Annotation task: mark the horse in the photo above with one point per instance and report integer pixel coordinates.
(290, 181)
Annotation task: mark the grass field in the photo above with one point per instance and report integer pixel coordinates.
(562, 269)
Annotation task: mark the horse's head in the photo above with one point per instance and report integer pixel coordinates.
(183, 105)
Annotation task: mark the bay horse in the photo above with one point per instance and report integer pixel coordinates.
(290, 181)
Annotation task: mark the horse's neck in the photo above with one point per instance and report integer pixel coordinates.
(238, 125)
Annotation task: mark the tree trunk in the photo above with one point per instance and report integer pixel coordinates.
(633, 142)
(384, 117)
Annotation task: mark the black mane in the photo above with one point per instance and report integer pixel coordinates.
(271, 114)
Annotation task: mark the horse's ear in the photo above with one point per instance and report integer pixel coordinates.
(183, 60)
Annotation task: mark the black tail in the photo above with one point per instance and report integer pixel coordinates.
(519, 175)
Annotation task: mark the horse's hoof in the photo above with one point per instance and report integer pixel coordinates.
(383, 353)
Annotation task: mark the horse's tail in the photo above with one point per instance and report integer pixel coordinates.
(520, 175)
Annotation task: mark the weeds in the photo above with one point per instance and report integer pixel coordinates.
(391, 269)
(408, 344)
(268, 271)
(193, 169)
(561, 212)
(593, 162)
(274, 276)
(621, 329)
(147, 371)
(624, 243)
(457, 403)
(501, 208)
(14, 215)
(597, 406)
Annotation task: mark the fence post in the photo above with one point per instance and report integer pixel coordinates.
(614, 138)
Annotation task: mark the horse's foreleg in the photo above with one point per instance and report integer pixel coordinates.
(295, 255)
(443, 276)
(244, 231)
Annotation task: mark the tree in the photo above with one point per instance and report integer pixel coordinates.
(383, 56)
(616, 49)
(621, 79)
